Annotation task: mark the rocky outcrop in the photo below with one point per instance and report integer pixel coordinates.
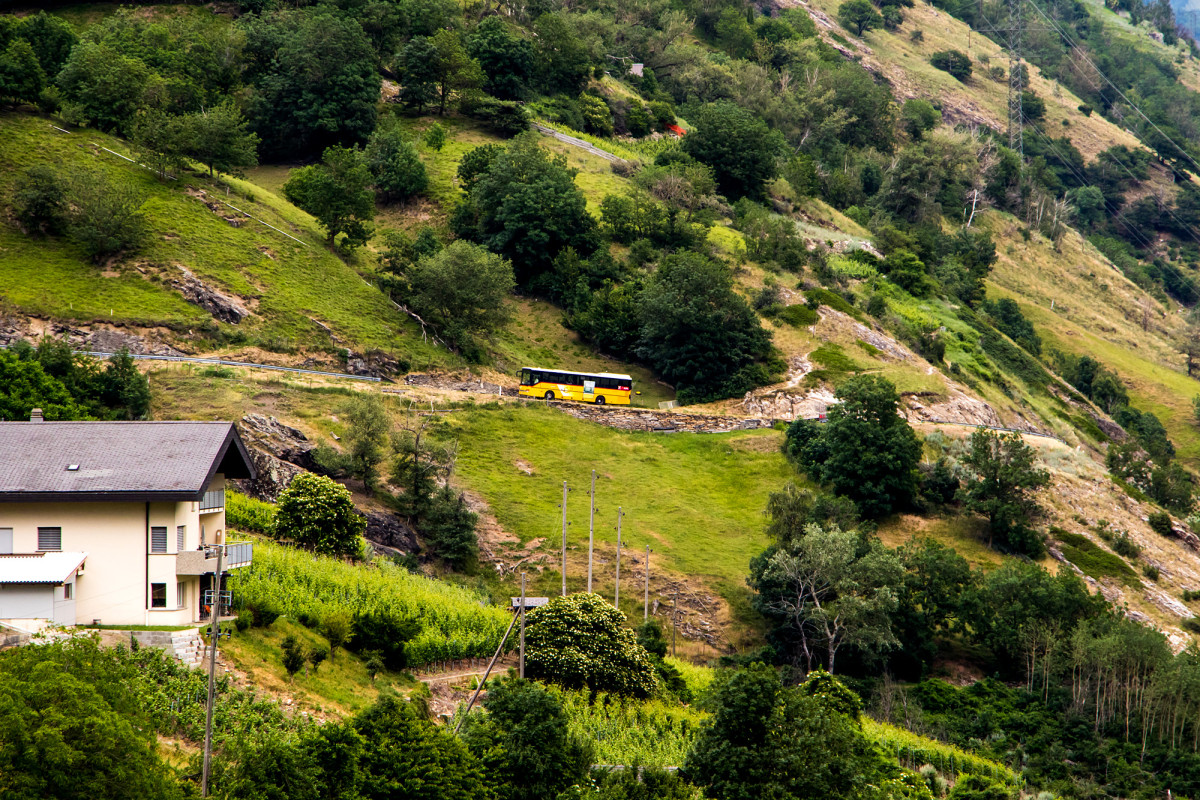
(225, 307)
(391, 532)
(279, 452)
(959, 408)
(100, 339)
(786, 405)
(375, 363)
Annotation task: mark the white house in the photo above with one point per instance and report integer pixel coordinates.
(114, 522)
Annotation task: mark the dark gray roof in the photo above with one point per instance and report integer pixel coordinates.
(117, 460)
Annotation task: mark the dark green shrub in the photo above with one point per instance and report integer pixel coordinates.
(1160, 523)
(799, 316)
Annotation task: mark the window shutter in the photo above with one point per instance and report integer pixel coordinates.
(180, 538)
(49, 538)
(158, 540)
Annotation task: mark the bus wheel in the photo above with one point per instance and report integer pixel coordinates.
(549, 395)
(599, 401)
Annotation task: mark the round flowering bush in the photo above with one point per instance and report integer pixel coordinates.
(581, 641)
(316, 513)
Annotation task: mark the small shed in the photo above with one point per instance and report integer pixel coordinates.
(530, 603)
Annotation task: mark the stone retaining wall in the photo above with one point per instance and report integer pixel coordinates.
(627, 418)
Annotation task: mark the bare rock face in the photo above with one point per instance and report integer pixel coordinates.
(109, 340)
(391, 532)
(279, 452)
(225, 307)
(788, 405)
(959, 408)
(375, 363)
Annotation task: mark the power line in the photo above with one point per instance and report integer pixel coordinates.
(1075, 46)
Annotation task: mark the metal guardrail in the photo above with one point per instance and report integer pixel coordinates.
(223, 363)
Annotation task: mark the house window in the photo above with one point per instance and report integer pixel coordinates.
(158, 595)
(158, 539)
(67, 593)
(180, 538)
(181, 593)
(49, 538)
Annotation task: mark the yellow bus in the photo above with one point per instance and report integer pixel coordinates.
(601, 388)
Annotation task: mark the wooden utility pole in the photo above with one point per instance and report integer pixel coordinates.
(564, 546)
(675, 620)
(522, 668)
(213, 631)
(483, 682)
(646, 589)
(591, 530)
(617, 593)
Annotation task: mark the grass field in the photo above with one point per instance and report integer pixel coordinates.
(696, 499)
(1079, 303)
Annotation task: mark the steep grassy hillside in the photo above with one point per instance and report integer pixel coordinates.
(301, 295)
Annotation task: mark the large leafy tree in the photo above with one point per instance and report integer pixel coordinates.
(103, 87)
(462, 291)
(418, 69)
(524, 742)
(338, 193)
(394, 164)
(1019, 596)
(504, 57)
(581, 641)
(859, 16)
(410, 757)
(698, 332)
(527, 208)
(24, 386)
(561, 59)
(866, 451)
(313, 80)
(220, 139)
(51, 38)
(454, 70)
(740, 148)
(61, 737)
(316, 513)
(21, 76)
(1003, 479)
(765, 740)
(831, 588)
(106, 217)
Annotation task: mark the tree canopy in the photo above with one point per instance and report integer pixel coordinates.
(866, 451)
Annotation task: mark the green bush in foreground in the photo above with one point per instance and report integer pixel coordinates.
(316, 513)
(581, 641)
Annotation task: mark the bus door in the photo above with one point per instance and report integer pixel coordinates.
(589, 390)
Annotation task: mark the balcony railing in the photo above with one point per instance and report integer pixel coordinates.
(213, 500)
(204, 562)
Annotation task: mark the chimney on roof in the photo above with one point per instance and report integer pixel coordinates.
(35, 415)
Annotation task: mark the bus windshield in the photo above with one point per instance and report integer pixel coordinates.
(528, 377)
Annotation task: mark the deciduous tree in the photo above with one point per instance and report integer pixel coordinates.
(1003, 479)
(316, 513)
(338, 193)
(866, 451)
(859, 16)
